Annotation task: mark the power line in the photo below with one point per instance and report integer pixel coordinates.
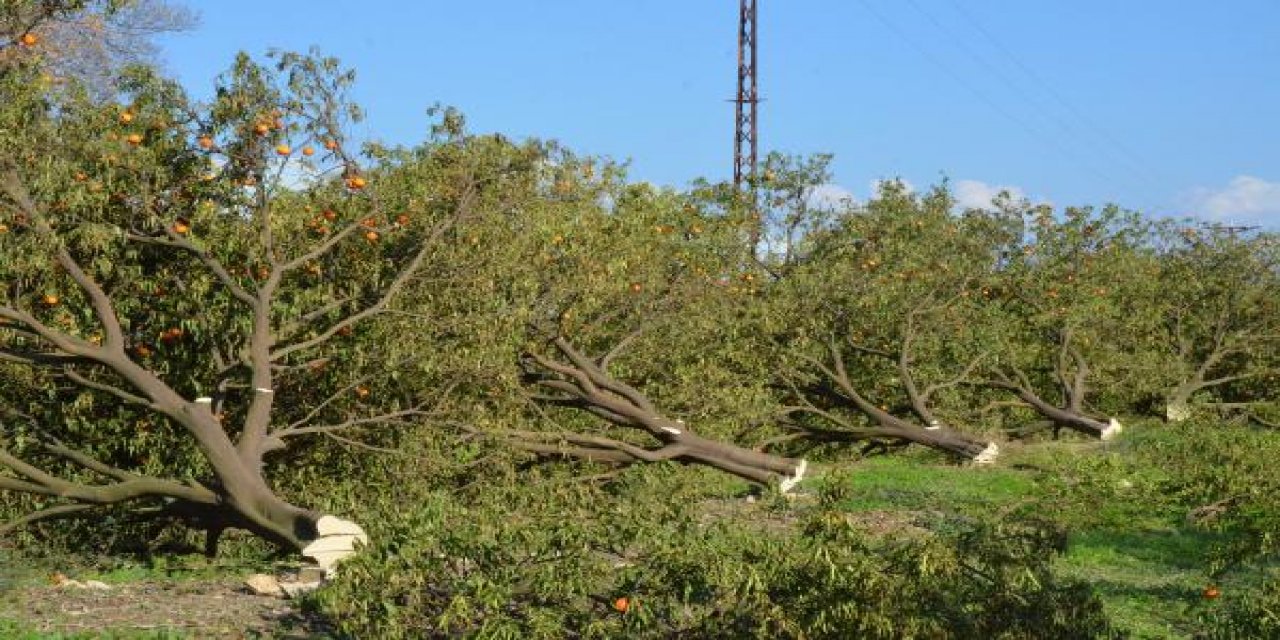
(1053, 93)
(982, 96)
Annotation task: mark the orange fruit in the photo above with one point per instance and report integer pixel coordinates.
(362, 392)
(29, 40)
(126, 117)
(49, 299)
(283, 150)
(402, 220)
(308, 151)
(371, 236)
(636, 287)
(205, 142)
(1211, 592)
(356, 182)
(329, 215)
(134, 139)
(181, 226)
(261, 129)
(622, 605)
(331, 144)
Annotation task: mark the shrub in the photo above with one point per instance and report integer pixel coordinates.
(654, 556)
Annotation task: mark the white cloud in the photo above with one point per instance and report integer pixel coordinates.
(1244, 199)
(830, 196)
(975, 194)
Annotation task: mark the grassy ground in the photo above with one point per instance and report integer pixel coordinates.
(1149, 564)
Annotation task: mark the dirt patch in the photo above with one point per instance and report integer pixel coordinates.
(885, 523)
(202, 609)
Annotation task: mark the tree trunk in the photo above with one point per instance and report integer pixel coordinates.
(585, 384)
(1070, 419)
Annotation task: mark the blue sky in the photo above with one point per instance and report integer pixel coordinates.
(1168, 107)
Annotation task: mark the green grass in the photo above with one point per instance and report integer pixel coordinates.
(898, 483)
(1146, 563)
(1150, 580)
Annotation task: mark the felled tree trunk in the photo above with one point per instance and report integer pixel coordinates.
(1070, 415)
(584, 383)
(839, 388)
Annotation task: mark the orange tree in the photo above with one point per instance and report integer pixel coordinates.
(1218, 328)
(606, 319)
(180, 289)
(872, 327)
(1067, 295)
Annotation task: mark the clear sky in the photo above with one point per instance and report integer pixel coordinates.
(1169, 106)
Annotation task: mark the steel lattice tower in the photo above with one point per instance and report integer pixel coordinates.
(745, 155)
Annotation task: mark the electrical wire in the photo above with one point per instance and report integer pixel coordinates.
(994, 105)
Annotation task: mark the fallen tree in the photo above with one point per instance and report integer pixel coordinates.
(836, 391)
(1071, 373)
(572, 379)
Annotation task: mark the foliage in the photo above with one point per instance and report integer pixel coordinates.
(554, 559)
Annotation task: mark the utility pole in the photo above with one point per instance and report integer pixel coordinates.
(745, 153)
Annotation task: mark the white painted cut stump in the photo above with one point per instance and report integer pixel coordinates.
(1113, 429)
(336, 539)
(988, 455)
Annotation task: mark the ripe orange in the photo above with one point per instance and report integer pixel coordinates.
(181, 226)
(356, 182)
(622, 605)
(308, 151)
(30, 40)
(329, 215)
(205, 142)
(1211, 592)
(636, 287)
(126, 117)
(261, 129)
(4, 227)
(402, 220)
(369, 222)
(371, 236)
(49, 299)
(134, 139)
(283, 150)
(362, 392)
(331, 144)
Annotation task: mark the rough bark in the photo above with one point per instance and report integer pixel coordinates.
(584, 383)
(837, 387)
(1070, 415)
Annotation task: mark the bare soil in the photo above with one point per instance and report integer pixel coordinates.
(188, 608)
